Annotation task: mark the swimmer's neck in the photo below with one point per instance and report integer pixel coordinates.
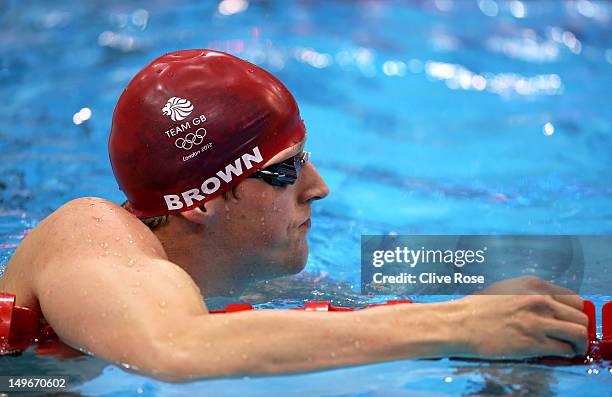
(214, 270)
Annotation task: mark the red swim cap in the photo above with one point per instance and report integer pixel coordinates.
(194, 123)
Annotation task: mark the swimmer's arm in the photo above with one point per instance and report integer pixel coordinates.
(549, 323)
(284, 341)
(151, 316)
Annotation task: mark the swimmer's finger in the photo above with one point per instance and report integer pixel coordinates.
(574, 334)
(572, 300)
(554, 347)
(547, 287)
(568, 313)
(561, 294)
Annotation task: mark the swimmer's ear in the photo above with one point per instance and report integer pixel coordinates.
(197, 215)
(232, 194)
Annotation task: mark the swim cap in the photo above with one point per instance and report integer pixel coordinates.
(194, 123)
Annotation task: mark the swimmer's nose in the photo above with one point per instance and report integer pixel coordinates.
(315, 187)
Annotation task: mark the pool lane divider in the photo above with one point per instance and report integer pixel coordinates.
(605, 344)
(599, 348)
(20, 327)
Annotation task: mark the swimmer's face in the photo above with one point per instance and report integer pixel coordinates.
(267, 225)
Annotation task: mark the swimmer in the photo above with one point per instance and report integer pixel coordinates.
(126, 282)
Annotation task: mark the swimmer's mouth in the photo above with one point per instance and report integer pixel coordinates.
(305, 223)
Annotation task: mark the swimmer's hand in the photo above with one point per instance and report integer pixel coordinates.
(540, 319)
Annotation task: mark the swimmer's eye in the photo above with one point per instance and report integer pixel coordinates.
(283, 173)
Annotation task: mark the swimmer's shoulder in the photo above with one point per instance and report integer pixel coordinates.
(82, 228)
(93, 220)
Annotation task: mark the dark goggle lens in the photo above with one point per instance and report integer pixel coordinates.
(283, 173)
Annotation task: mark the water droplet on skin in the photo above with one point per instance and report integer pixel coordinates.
(162, 304)
(131, 241)
(89, 240)
(332, 354)
(357, 344)
(117, 238)
(131, 262)
(92, 205)
(106, 252)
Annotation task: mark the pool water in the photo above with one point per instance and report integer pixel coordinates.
(424, 117)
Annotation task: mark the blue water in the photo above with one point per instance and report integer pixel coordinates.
(442, 117)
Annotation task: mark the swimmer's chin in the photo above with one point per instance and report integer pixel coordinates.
(297, 263)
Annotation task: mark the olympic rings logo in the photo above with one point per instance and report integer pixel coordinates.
(192, 139)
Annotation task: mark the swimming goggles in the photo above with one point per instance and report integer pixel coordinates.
(283, 173)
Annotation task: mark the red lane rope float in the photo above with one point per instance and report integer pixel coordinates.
(605, 344)
(18, 325)
(21, 326)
